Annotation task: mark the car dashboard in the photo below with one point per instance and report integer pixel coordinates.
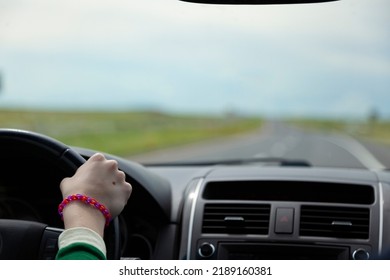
(285, 213)
(215, 212)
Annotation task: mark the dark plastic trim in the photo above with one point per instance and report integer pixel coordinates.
(257, 2)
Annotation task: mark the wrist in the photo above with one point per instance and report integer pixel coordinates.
(88, 201)
(78, 214)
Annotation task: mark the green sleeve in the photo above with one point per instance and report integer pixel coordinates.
(80, 251)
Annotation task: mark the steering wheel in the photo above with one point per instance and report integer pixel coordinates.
(20, 239)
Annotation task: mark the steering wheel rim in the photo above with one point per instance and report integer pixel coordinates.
(19, 238)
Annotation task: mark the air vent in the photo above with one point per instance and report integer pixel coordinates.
(341, 222)
(236, 218)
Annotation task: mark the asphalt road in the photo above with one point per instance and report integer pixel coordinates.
(279, 140)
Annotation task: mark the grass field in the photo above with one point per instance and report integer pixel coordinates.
(378, 130)
(125, 133)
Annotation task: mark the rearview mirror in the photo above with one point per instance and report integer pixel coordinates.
(257, 2)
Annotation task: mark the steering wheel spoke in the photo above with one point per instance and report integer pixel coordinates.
(49, 243)
(20, 239)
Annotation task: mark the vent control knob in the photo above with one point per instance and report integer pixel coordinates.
(360, 254)
(206, 250)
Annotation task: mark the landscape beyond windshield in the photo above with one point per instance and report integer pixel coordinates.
(160, 81)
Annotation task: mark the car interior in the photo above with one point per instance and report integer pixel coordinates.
(258, 208)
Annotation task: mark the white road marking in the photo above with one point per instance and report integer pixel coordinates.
(357, 150)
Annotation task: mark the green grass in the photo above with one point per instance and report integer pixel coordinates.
(378, 130)
(125, 133)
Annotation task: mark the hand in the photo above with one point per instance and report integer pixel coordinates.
(100, 179)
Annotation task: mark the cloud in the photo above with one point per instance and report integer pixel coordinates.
(276, 59)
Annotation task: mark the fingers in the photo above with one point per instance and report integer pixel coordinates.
(111, 163)
(119, 176)
(97, 173)
(126, 187)
(97, 157)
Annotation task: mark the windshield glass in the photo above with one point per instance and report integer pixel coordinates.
(165, 80)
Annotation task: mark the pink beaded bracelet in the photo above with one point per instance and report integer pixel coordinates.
(88, 200)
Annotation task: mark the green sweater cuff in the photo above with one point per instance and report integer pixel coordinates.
(80, 251)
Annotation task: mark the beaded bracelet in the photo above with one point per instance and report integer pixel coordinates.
(88, 200)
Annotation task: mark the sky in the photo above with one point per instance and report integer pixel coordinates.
(330, 59)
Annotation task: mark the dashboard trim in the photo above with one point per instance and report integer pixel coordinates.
(381, 206)
(194, 196)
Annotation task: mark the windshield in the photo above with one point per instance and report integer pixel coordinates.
(165, 80)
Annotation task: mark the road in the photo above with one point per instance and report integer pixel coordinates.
(277, 139)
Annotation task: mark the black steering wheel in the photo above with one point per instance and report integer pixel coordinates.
(22, 239)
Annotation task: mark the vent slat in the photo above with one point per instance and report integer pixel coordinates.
(341, 222)
(307, 224)
(253, 218)
(331, 219)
